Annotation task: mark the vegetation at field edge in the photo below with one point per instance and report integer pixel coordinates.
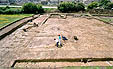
(109, 20)
(7, 19)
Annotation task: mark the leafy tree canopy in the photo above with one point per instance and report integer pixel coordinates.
(104, 2)
(93, 5)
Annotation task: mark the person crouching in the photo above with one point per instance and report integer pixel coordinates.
(57, 42)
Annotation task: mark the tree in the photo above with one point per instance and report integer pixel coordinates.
(29, 8)
(80, 7)
(66, 6)
(109, 6)
(93, 5)
(39, 8)
(71, 7)
(104, 2)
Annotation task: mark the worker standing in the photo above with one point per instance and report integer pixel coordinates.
(60, 40)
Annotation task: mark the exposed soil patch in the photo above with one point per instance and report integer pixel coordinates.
(95, 39)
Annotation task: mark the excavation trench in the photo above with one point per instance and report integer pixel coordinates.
(84, 60)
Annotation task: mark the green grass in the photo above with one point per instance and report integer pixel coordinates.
(109, 20)
(88, 67)
(102, 14)
(7, 19)
(49, 9)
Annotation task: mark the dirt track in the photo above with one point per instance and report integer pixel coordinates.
(95, 40)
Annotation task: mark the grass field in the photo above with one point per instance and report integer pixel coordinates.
(7, 19)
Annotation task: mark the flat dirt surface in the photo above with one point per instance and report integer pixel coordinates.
(60, 64)
(95, 40)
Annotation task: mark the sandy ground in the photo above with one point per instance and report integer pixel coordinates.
(95, 41)
(60, 64)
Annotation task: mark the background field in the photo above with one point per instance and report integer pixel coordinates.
(7, 19)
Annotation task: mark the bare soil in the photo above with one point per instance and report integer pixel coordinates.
(95, 40)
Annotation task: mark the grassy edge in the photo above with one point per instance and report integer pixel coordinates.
(16, 20)
(106, 22)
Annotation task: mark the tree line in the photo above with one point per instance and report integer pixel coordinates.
(31, 8)
(75, 7)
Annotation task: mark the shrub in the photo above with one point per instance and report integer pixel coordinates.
(80, 7)
(1, 11)
(93, 5)
(70, 7)
(2, 8)
(29, 8)
(109, 6)
(8, 11)
(104, 2)
(66, 7)
(17, 11)
(12, 11)
(7, 7)
(39, 8)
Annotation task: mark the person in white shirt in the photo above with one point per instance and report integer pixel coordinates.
(57, 42)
